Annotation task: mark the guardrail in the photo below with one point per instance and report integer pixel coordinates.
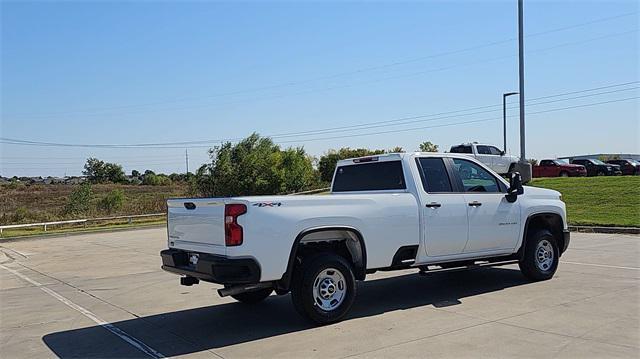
(76, 221)
(129, 219)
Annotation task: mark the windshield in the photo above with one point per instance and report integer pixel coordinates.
(598, 162)
(561, 162)
(635, 162)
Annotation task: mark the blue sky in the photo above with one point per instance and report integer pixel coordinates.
(159, 72)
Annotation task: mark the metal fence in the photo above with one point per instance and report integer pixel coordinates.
(45, 225)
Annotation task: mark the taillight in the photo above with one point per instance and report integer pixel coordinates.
(232, 230)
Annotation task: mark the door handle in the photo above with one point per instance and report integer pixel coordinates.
(433, 205)
(475, 204)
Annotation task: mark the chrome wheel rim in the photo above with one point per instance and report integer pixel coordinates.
(329, 289)
(544, 255)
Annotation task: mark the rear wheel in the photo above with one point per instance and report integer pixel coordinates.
(324, 288)
(541, 256)
(253, 296)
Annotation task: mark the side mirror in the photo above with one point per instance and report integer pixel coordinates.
(502, 153)
(515, 187)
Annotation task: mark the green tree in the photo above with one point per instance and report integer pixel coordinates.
(152, 179)
(112, 201)
(98, 171)
(427, 146)
(135, 173)
(397, 149)
(254, 166)
(328, 161)
(79, 201)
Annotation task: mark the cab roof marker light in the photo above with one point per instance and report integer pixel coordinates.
(365, 159)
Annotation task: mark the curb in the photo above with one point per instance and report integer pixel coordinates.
(595, 229)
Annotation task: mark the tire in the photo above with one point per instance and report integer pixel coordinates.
(564, 174)
(323, 288)
(253, 297)
(601, 173)
(541, 256)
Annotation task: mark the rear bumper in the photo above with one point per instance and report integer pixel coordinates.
(567, 238)
(211, 268)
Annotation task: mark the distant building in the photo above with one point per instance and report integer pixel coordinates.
(601, 155)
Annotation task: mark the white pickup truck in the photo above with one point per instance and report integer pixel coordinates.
(386, 212)
(490, 155)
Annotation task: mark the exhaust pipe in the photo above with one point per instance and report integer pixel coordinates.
(242, 288)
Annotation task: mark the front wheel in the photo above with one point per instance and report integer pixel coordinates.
(541, 256)
(324, 288)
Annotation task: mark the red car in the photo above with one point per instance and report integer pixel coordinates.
(555, 168)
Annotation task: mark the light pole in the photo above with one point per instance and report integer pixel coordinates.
(521, 76)
(504, 118)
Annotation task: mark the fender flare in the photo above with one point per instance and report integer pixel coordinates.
(285, 282)
(520, 253)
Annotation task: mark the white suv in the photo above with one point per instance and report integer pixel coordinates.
(490, 155)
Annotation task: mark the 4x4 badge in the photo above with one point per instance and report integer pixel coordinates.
(267, 204)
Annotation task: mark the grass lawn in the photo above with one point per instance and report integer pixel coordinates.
(605, 201)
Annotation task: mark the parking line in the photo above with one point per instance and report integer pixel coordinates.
(106, 325)
(600, 265)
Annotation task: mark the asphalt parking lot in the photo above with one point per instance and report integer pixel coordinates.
(104, 295)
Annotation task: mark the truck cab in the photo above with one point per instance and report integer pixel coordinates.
(490, 155)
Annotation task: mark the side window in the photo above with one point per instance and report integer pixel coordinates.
(461, 149)
(434, 175)
(495, 150)
(484, 150)
(546, 163)
(475, 178)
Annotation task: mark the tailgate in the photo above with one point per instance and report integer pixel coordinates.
(196, 224)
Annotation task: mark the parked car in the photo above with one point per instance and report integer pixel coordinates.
(627, 166)
(556, 168)
(385, 212)
(598, 168)
(490, 155)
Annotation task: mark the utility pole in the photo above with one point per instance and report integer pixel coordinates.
(522, 166)
(186, 158)
(521, 76)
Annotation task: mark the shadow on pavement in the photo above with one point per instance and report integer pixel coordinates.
(200, 329)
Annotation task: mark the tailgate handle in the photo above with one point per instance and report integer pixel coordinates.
(189, 205)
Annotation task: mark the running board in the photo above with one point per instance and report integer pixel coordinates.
(468, 267)
(242, 288)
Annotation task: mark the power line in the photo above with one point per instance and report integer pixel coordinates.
(393, 122)
(338, 75)
(459, 123)
(424, 127)
(369, 82)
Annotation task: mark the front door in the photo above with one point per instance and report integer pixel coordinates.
(493, 222)
(444, 212)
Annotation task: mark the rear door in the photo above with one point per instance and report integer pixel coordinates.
(444, 212)
(196, 224)
(484, 155)
(493, 221)
(547, 168)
